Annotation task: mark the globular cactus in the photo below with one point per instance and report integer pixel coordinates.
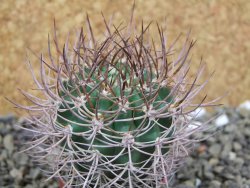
(115, 113)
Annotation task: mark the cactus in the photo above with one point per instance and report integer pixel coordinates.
(114, 112)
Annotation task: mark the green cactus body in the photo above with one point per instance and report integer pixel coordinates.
(143, 130)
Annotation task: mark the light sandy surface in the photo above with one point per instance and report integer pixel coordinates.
(221, 28)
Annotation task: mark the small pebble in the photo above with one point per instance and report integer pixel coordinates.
(222, 120)
(8, 143)
(215, 184)
(213, 161)
(215, 150)
(232, 156)
(237, 146)
(17, 174)
(244, 109)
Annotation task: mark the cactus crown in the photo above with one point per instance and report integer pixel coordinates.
(115, 111)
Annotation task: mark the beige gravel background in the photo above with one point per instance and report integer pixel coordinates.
(221, 28)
